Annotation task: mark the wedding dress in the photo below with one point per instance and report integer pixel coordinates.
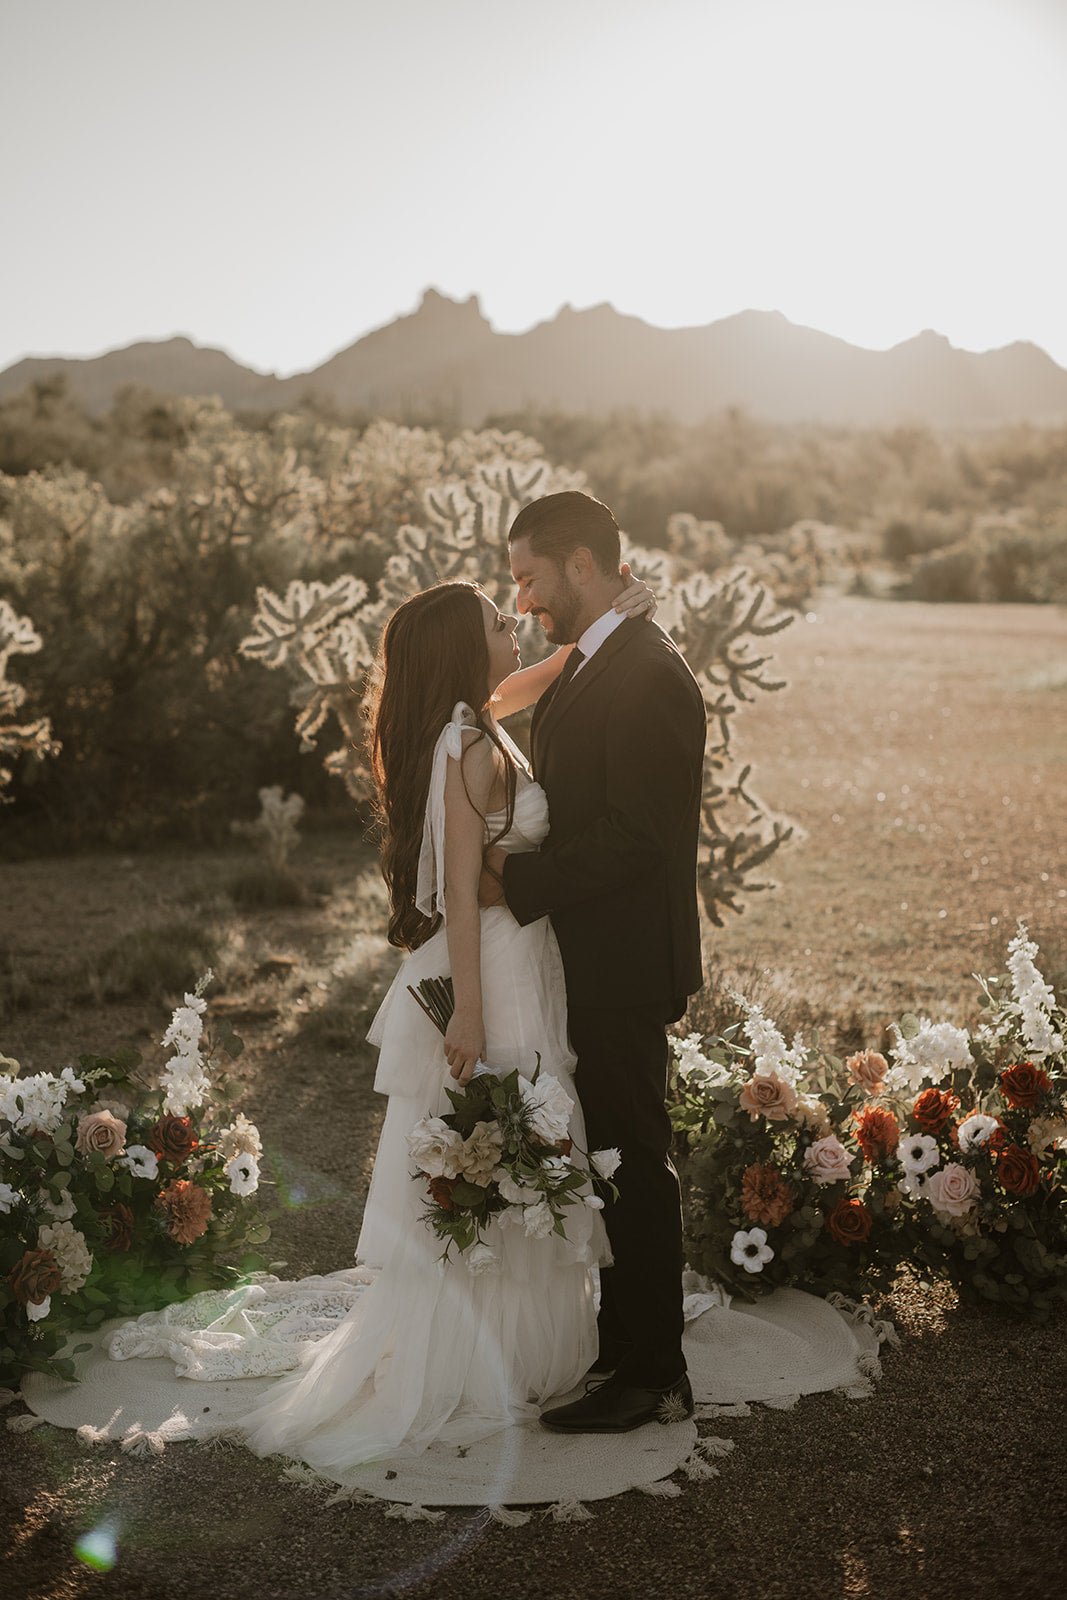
(384, 1359)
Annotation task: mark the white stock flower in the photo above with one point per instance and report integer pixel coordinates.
(142, 1162)
(435, 1148)
(1034, 998)
(975, 1130)
(548, 1108)
(8, 1197)
(538, 1220)
(481, 1259)
(769, 1051)
(605, 1162)
(43, 1097)
(750, 1249)
(70, 1250)
(937, 1049)
(241, 1136)
(918, 1153)
(61, 1210)
(693, 1063)
(186, 1026)
(185, 1083)
(243, 1173)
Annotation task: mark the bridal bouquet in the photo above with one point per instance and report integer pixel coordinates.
(503, 1153)
(116, 1198)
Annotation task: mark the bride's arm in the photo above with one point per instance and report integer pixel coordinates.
(465, 806)
(525, 687)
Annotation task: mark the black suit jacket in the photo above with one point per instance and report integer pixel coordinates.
(619, 750)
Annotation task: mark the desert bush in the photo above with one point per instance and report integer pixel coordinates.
(998, 561)
(148, 961)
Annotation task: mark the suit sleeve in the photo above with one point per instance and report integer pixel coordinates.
(655, 734)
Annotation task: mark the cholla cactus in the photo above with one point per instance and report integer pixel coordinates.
(325, 634)
(19, 637)
(274, 831)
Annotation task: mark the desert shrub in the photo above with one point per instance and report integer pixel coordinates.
(143, 963)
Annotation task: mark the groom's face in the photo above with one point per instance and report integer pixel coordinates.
(546, 592)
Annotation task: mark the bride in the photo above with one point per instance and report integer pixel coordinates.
(430, 1350)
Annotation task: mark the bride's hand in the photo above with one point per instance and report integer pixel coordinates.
(637, 600)
(464, 1045)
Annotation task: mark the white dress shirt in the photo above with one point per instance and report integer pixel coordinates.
(596, 633)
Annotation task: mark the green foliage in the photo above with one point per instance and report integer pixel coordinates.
(149, 961)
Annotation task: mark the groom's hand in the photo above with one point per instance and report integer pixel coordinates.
(491, 883)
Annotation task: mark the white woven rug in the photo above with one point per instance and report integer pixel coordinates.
(786, 1345)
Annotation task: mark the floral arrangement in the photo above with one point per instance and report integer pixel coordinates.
(116, 1198)
(805, 1169)
(503, 1153)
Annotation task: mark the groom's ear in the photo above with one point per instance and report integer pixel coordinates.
(582, 565)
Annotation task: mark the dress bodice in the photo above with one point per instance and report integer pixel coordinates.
(529, 824)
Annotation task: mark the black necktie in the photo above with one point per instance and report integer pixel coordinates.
(570, 667)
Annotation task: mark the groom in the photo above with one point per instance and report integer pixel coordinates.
(618, 746)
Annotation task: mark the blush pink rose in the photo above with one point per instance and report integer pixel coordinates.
(827, 1160)
(767, 1095)
(952, 1189)
(867, 1069)
(101, 1130)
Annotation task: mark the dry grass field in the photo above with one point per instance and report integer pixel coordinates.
(923, 752)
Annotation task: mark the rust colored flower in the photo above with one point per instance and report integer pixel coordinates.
(933, 1108)
(187, 1208)
(765, 1195)
(877, 1132)
(1024, 1085)
(849, 1222)
(118, 1221)
(441, 1190)
(35, 1276)
(1017, 1170)
(867, 1069)
(173, 1138)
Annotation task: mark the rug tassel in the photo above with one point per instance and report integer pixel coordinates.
(569, 1511)
(782, 1402)
(697, 1469)
(714, 1447)
(414, 1513)
(508, 1517)
(303, 1476)
(7, 1396)
(733, 1408)
(90, 1435)
(349, 1497)
(665, 1489)
(23, 1424)
(855, 1391)
(141, 1442)
(870, 1366)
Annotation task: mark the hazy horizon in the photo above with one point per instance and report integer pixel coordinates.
(277, 183)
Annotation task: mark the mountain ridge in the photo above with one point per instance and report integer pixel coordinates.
(445, 356)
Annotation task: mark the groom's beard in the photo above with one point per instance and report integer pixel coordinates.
(564, 611)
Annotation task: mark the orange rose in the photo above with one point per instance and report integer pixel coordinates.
(1024, 1085)
(441, 1190)
(765, 1195)
(34, 1277)
(1017, 1170)
(867, 1069)
(173, 1138)
(187, 1208)
(877, 1132)
(767, 1095)
(849, 1222)
(933, 1108)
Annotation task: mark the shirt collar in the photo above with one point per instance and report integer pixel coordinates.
(598, 631)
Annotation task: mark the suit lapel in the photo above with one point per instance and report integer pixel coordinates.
(557, 701)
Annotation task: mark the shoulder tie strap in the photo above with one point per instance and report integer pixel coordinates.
(430, 887)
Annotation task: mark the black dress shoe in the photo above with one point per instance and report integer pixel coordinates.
(616, 1406)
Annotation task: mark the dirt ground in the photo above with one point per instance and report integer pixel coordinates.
(922, 751)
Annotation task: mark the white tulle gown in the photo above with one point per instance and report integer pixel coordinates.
(424, 1351)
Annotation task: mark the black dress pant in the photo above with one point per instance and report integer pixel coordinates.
(621, 1078)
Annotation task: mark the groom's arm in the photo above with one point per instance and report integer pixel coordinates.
(655, 741)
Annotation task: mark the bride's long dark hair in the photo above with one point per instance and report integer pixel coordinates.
(433, 653)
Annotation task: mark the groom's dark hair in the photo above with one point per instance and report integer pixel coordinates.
(558, 524)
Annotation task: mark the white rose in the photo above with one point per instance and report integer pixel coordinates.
(594, 1202)
(548, 1108)
(953, 1189)
(605, 1162)
(481, 1259)
(827, 1160)
(538, 1220)
(436, 1149)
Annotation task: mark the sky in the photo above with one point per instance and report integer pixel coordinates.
(277, 177)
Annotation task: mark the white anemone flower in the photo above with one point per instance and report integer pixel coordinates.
(918, 1153)
(751, 1250)
(975, 1130)
(35, 1310)
(142, 1162)
(243, 1173)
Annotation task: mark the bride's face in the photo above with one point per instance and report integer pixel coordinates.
(500, 642)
